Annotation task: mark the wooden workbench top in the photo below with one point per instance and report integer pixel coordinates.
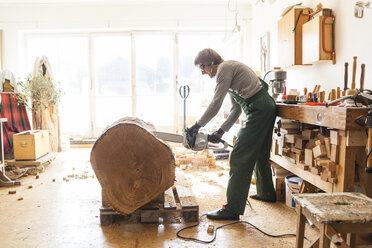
(332, 117)
(342, 207)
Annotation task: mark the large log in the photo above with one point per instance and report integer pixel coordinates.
(131, 164)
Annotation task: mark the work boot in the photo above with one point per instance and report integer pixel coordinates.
(222, 214)
(256, 197)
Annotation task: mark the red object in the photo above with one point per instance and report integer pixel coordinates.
(284, 97)
(323, 35)
(319, 104)
(17, 118)
(315, 103)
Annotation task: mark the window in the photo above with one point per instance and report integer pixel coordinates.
(112, 77)
(69, 61)
(154, 79)
(108, 76)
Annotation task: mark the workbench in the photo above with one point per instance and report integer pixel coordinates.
(337, 118)
(334, 213)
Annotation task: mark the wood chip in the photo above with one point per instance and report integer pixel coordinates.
(210, 229)
(12, 192)
(20, 198)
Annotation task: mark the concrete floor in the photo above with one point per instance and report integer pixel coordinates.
(66, 214)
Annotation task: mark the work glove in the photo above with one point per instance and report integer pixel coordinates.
(216, 136)
(194, 129)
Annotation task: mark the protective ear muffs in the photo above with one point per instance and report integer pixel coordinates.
(212, 66)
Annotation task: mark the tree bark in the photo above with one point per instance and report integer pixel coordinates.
(132, 165)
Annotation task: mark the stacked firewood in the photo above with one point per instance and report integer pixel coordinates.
(310, 147)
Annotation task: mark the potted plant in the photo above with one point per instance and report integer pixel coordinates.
(42, 95)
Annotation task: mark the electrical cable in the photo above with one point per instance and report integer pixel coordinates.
(229, 224)
(249, 204)
(298, 18)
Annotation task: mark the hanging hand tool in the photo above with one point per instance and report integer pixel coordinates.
(361, 88)
(346, 75)
(352, 90)
(354, 73)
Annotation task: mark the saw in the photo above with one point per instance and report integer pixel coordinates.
(193, 141)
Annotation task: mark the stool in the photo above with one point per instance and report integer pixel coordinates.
(334, 214)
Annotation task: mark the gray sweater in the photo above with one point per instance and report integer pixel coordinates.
(239, 78)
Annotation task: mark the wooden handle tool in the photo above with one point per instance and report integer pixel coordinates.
(354, 73)
(363, 67)
(346, 75)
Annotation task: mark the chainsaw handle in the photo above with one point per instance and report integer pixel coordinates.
(225, 144)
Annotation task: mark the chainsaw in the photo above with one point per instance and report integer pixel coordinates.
(194, 141)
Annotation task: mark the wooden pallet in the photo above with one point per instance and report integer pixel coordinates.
(24, 163)
(179, 205)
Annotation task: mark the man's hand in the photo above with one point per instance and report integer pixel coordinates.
(216, 136)
(193, 129)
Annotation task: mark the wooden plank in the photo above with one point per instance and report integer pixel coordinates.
(310, 144)
(356, 138)
(346, 168)
(24, 163)
(169, 201)
(332, 117)
(319, 151)
(334, 153)
(309, 158)
(290, 131)
(335, 140)
(303, 166)
(300, 143)
(300, 233)
(187, 200)
(353, 227)
(327, 146)
(149, 216)
(291, 138)
(306, 175)
(307, 134)
(81, 145)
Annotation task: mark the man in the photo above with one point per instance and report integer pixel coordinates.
(251, 151)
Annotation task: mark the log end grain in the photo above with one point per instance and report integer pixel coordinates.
(132, 165)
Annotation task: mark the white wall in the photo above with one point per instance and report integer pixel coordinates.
(352, 38)
(353, 35)
(17, 19)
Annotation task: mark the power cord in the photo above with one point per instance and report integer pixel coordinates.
(229, 224)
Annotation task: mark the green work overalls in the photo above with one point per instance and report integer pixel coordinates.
(252, 151)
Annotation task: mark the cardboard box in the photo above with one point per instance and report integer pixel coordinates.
(30, 145)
